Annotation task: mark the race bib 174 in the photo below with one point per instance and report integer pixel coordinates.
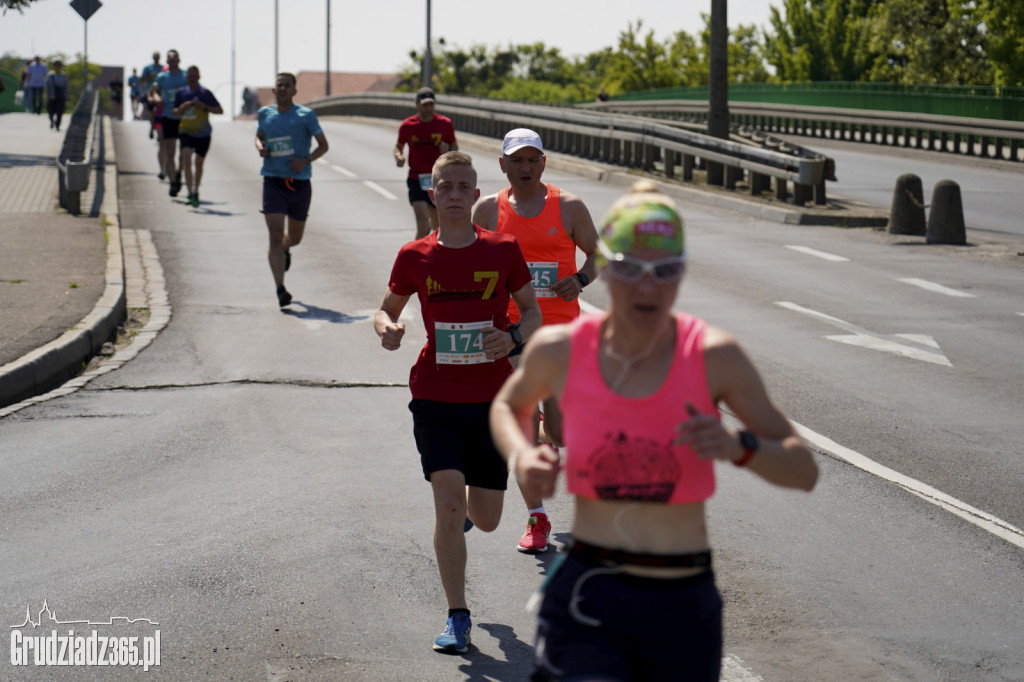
(460, 343)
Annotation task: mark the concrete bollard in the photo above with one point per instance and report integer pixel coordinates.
(946, 218)
(907, 213)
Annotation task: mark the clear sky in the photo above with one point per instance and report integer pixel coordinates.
(366, 35)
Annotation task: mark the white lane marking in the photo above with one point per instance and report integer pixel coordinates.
(733, 670)
(818, 254)
(913, 346)
(1021, 314)
(380, 190)
(979, 518)
(344, 171)
(932, 286)
(588, 307)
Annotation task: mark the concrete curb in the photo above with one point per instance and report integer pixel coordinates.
(64, 358)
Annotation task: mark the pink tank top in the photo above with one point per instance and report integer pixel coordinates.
(621, 448)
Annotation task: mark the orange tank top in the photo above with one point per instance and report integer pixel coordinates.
(620, 448)
(549, 252)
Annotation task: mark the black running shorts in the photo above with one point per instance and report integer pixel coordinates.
(458, 436)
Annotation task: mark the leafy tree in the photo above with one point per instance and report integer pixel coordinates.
(642, 63)
(931, 41)
(19, 5)
(821, 40)
(1004, 32)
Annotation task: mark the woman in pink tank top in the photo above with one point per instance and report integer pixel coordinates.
(634, 596)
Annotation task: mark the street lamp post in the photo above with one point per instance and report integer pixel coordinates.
(231, 109)
(428, 62)
(327, 76)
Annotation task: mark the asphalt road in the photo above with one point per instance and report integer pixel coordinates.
(250, 481)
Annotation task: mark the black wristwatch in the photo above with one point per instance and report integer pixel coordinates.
(582, 277)
(750, 444)
(517, 338)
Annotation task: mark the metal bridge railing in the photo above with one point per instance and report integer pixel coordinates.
(614, 138)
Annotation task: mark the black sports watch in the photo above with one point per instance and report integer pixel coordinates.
(750, 444)
(517, 338)
(582, 277)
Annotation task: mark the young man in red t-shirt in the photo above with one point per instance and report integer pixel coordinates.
(463, 276)
(429, 135)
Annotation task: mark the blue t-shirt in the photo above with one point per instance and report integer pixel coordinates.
(169, 83)
(287, 136)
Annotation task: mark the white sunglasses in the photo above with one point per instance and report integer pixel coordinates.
(629, 269)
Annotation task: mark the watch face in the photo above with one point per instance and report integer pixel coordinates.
(748, 440)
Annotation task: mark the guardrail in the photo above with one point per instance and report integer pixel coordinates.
(74, 164)
(613, 138)
(981, 137)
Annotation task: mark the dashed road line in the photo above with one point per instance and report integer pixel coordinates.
(932, 286)
(818, 254)
(380, 190)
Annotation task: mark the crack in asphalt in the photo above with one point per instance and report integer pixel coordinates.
(304, 383)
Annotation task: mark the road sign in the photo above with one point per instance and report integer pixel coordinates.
(86, 8)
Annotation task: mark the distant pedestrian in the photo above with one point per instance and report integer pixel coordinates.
(429, 135)
(170, 81)
(26, 92)
(194, 104)
(135, 91)
(36, 73)
(602, 96)
(283, 138)
(148, 78)
(56, 94)
(155, 106)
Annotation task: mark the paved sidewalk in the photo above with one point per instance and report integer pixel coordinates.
(61, 276)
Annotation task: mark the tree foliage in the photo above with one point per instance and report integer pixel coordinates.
(955, 42)
(19, 5)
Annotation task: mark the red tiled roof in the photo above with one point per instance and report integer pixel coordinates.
(311, 85)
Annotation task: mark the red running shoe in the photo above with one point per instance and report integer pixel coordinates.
(535, 539)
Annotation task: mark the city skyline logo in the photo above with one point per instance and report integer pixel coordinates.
(52, 617)
(78, 642)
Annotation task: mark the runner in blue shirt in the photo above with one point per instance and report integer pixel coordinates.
(283, 139)
(169, 82)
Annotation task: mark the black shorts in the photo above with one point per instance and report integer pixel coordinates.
(288, 196)
(417, 193)
(200, 144)
(626, 627)
(170, 127)
(458, 436)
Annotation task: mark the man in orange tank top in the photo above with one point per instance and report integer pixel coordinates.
(549, 225)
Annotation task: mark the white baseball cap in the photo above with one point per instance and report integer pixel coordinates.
(519, 138)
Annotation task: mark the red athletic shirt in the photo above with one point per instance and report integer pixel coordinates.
(460, 291)
(549, 252)
(423, 140)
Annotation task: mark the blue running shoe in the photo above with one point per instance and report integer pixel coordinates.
(467, 526)
(455, 638)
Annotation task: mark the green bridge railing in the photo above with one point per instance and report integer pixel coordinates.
(971, 101)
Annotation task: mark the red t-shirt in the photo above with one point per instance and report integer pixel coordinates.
(460, 292)
(423, 140)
